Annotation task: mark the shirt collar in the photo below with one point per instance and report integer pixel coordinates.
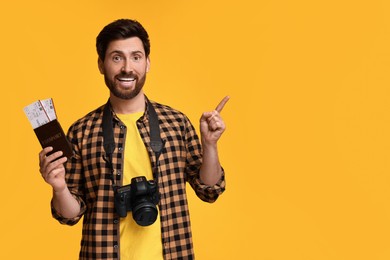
(143, 118)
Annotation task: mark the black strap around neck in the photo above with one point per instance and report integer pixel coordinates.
(108, 134)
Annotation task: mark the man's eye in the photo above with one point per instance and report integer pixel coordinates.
(117, 58)
(136, 58)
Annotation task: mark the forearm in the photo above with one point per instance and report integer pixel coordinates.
(65, 204)
(210, 171)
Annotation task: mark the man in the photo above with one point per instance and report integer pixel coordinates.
(88, 183)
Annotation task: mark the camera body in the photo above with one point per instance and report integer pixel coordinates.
(140, 197)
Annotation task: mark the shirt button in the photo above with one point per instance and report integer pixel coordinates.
(118, 172)
(115, 247)
(120, 149)
(122, 126)
(116, 221)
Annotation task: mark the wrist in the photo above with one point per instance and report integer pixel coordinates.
(208, 144)
(59, 190)
(209, 148)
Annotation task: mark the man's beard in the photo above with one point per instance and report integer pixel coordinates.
(125, 94)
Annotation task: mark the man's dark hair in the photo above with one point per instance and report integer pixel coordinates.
(121, 29)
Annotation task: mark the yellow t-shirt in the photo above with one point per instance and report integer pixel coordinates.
(137, 242)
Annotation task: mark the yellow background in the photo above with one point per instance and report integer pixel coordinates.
(306, 149)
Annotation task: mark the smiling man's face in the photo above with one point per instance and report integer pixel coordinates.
(125, 67)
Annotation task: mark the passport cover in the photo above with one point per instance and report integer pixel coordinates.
(51, 134)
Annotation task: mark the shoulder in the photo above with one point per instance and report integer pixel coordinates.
(165, 112)
(89, 120)
(171, 119)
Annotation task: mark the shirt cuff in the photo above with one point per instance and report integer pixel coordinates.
(68, 221)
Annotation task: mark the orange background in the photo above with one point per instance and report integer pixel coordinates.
(306, 151)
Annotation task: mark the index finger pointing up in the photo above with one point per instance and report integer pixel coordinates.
(222, 104)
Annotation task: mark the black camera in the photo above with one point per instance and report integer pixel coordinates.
(140, 197)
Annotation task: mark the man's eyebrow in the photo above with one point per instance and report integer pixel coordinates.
(121, 52)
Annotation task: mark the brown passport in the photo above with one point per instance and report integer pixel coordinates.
(51, 134)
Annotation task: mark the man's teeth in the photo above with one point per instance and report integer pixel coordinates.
(126, 79)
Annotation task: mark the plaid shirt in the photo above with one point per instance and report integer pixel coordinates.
(90, 178)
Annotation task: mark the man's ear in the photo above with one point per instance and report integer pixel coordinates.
(101, 66)
(147, 64)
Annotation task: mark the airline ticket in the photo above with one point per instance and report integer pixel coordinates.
(40, 112)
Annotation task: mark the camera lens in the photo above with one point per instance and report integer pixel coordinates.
(145, 213)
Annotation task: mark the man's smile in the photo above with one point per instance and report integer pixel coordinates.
(126, 79)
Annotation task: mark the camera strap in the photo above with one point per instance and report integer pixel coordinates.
(108, 136)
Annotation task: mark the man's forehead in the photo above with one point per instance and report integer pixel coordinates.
(132, 44)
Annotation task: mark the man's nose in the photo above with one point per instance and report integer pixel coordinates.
(127, 67)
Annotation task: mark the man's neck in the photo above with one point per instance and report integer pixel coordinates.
(128, 106)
